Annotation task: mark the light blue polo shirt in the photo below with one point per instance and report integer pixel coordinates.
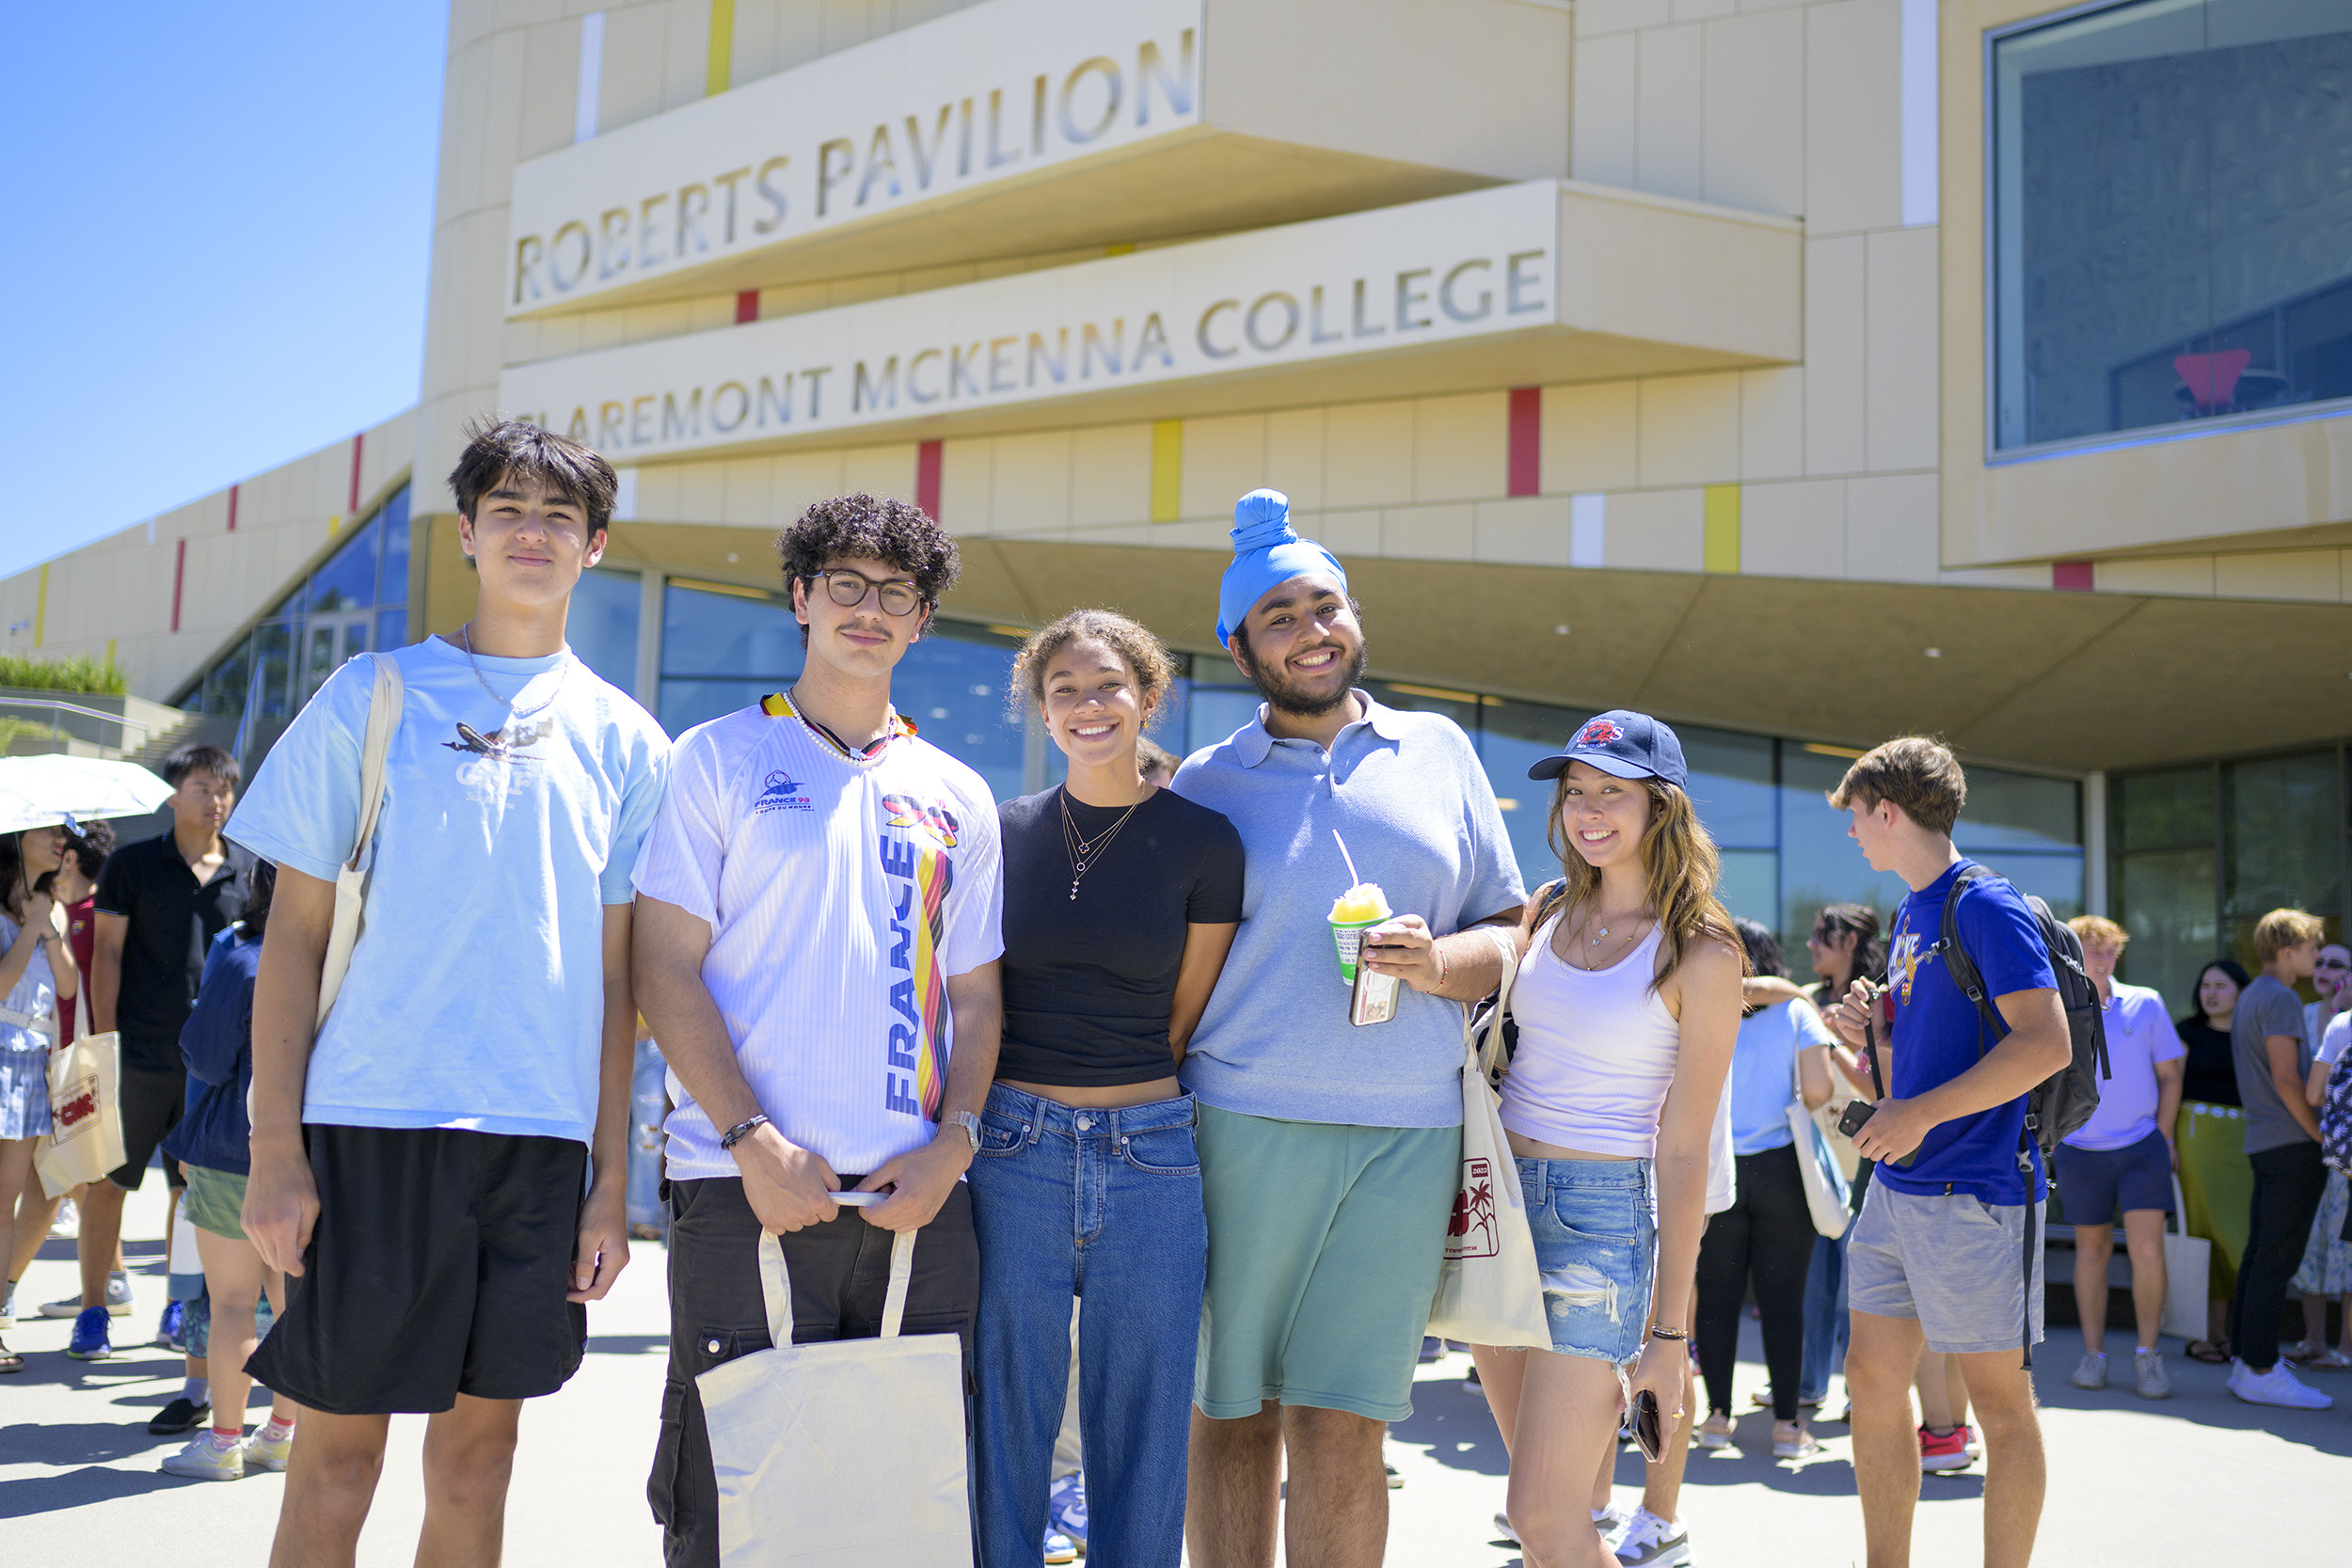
(1406, 792)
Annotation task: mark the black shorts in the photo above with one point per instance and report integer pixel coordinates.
(152, 1100)
(438, 1267)
(841, 1274)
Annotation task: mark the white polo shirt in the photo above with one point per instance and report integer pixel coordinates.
(841, 894)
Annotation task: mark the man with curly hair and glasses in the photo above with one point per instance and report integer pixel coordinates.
(816, 949)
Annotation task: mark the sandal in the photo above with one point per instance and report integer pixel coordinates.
(9, 1361)
(2329, 1361)
(2212, 1352)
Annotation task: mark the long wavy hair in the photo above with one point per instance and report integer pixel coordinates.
(1681, 868)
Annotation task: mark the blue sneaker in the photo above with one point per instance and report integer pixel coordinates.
(1066, 1508)
(89, 1335)
(172, 1333)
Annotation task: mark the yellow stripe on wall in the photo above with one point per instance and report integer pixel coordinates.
(1168, 471)
(1721, 552)
(718, 71)
(40, 607)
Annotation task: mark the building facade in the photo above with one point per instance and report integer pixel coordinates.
(1803, 372)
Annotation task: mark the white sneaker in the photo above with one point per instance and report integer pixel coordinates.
(205, 1459)
(2276, 1387)
(1650, 1542)
(2091, 1371)
(119, 1301)
(2149, 1375)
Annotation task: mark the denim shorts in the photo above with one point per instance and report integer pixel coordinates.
(1596, 1229)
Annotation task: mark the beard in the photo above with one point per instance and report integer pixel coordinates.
(1287, 696)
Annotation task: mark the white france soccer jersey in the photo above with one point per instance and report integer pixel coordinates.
(841, 894)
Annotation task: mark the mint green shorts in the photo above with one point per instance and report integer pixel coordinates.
(215, 1201)
(1324, 1246)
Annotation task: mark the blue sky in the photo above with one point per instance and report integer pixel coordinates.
(221, 227)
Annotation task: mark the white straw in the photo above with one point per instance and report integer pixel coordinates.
(1353, 881)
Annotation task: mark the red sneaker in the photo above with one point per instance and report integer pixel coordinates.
(1945, 1453)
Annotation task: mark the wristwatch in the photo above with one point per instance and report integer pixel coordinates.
(970, 1123)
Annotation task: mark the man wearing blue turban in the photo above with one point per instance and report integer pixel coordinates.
(1329, 1154)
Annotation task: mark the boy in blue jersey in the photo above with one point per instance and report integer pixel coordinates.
(1947, 1249)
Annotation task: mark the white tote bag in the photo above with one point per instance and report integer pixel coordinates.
(1489, 1290)
(351, 877)
(2186, 1261)
(847, 1453)
(1826, 1193)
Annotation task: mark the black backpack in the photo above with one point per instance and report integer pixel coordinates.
(2061, 1103)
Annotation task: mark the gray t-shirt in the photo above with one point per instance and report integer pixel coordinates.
(2267, 1008)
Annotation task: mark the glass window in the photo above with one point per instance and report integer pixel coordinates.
(392, 580)
(1751, 887)
(225, 684)
(722, 649)
(1512, 737)
(2056, 879)
(1213, 713)
(347, 580)
(2018, 811)
(2285, 834)
(603, 630)
(391, 628)
(952, 685)
(2164, 811)
(1818, 863)
(2171, 224)
(2165, 900)
(1731, 784)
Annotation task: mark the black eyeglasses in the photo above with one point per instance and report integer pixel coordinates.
(848, 588)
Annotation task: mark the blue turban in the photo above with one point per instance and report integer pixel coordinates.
(1268, 552)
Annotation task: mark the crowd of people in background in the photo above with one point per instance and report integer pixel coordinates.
(1070, 1043)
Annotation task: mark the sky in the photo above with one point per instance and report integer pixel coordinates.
(218, 247)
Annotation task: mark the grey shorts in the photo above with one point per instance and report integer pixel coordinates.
(1950, 1261)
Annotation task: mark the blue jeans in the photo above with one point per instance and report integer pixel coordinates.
(1826, 1324)
(1103, 1207)
(646, 1091)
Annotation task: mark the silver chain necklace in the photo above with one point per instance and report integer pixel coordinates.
(464, 640)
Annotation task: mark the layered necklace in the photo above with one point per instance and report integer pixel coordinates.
(1085, 851)
(1595, 933)
(780, 706)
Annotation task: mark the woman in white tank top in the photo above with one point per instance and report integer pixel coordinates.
(1627, 1002)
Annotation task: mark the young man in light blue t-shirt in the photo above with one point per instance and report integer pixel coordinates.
(1329, 1154)
(440, 1167)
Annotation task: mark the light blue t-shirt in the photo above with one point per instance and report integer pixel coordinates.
(1764, 1073)
(475, 998)
(1406, 792)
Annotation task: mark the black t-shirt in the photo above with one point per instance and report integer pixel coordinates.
(2210, 1073)
(172, 923)
(1089, 981)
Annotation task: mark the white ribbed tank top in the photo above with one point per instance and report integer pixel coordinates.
(1597, 1051)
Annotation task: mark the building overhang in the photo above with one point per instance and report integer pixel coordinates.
(1545, 281)
(1022, 127)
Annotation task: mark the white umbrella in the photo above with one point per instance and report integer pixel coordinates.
(36, 792)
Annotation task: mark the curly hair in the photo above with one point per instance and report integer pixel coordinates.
(874, 528)
(1145, 656)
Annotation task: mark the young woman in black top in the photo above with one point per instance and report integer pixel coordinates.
(1120, 901)
(2209, 1140)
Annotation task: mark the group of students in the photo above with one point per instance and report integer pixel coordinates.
(1088, 1046)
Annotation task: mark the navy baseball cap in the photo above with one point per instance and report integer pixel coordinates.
(1624, 743)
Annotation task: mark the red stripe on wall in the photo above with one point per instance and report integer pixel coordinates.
(1527, 441)
(926, 478)
(179, 578)
(232, 508)
(358, 444)
(747, 306)
(2072, 577)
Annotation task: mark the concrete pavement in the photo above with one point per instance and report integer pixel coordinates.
(2200, 1478)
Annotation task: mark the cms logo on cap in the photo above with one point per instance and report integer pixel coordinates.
(1600, 732)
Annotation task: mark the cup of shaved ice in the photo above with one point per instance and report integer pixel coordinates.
(1354, 912)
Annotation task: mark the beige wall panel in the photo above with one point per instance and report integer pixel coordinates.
(1616, 16)
(884, 469)
(1110, 474)
(1771, 423)
(1656, 531)
(1755, 130)
(657, 493)
(636, 63)
(702, 492)
(1606, 101)
(465, 104)
(1029, 488)
(2190, 575)
(1901, 359)
(1524, 530)
(1793, 530)
(800, 478)
(1591, 438)
(1890, 529)
(1690, 429)
(1670, 158)
(1344, 533)
(1461, 447)
(1444, 533)
(551, 90)
(1837, 390)
(501, 123)
(968, 484)
(1367, 453)
(1294, 455)
(1224, 459)
(748, 492)
(799, 35)
(2279, 575)
(1203, 535)
(1854, 111)
(710, 314)
(686, 62)
(1700, 11)
(1746, 5)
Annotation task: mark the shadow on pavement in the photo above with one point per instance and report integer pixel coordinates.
(50, 1493)
(74, 1443)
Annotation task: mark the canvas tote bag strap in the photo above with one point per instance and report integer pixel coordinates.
(383, 707)
(1490, 1051)
(775, 1287)
(901, 1275)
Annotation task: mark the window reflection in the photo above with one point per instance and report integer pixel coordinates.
(602, 628)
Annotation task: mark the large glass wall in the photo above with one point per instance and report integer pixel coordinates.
(2171, 216)
(2199, 854)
